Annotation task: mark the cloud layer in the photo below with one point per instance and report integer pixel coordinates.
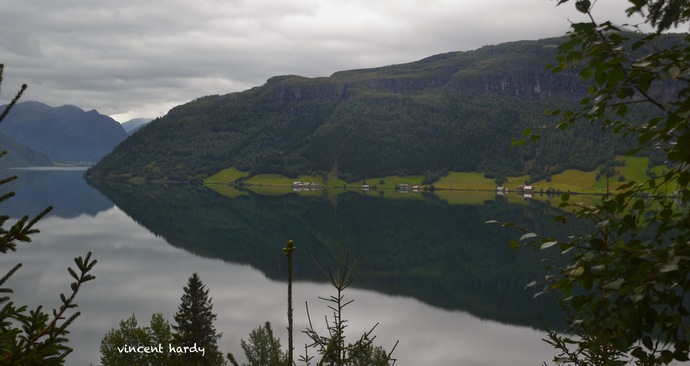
(130, 59)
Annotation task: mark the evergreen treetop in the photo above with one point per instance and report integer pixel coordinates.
(194, 325)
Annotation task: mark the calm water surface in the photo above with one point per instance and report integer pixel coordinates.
(434, 276)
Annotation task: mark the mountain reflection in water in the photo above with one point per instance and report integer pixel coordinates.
(444, 255)
(434, 276)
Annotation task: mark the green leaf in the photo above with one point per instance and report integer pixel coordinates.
(577, 272)
(670, 267)
(602, 224)
(548, 244)
(622, 110)
(528, 236)
(647, 342)
(88, 277)
(639, 205)
(514, 244)
(597, 244)
(72, 273)
(518, 142)
(615, 285)
(684, 178)
(671, 72)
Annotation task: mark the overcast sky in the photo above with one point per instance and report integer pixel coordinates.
(134, 58)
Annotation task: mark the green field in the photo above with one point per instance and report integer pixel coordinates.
(390, 182)
(570, 180)
(276, 180)
(448, 188)
(226, 176)
(586, 182)
(466, 181)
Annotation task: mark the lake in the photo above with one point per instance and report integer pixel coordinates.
(433, 276)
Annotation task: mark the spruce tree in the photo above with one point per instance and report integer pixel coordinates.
(194, 326)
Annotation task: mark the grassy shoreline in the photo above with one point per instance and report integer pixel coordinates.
(572, 181)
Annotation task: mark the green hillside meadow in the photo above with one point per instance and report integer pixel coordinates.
(455, 187)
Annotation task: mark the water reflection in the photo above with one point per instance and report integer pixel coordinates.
(63, 188)
(443, 255)
(433, 275)
(139, 273)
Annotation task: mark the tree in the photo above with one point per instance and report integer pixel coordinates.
(262, 348)
(288, 250)
(194, 326)
(625, 283)
(121, 347)
(333, 348)
(33, 337)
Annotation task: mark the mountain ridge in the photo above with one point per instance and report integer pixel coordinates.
(454, 111)
(66, 134)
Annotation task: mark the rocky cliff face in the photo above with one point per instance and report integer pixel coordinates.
(529, 82)
(516, 69)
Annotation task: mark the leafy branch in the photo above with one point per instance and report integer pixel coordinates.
(623, 287)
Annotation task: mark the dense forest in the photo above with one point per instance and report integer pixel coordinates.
(457, 111)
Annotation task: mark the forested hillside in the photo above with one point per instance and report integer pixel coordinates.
(457, 111)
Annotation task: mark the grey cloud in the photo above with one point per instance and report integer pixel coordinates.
(132, 58)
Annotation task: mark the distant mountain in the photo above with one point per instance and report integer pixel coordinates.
(66, 134)
(18, 155)
(456, 111)
(134, 124)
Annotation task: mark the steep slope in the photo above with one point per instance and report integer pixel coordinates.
(455, 111)
(19, 155)
(66, 133)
